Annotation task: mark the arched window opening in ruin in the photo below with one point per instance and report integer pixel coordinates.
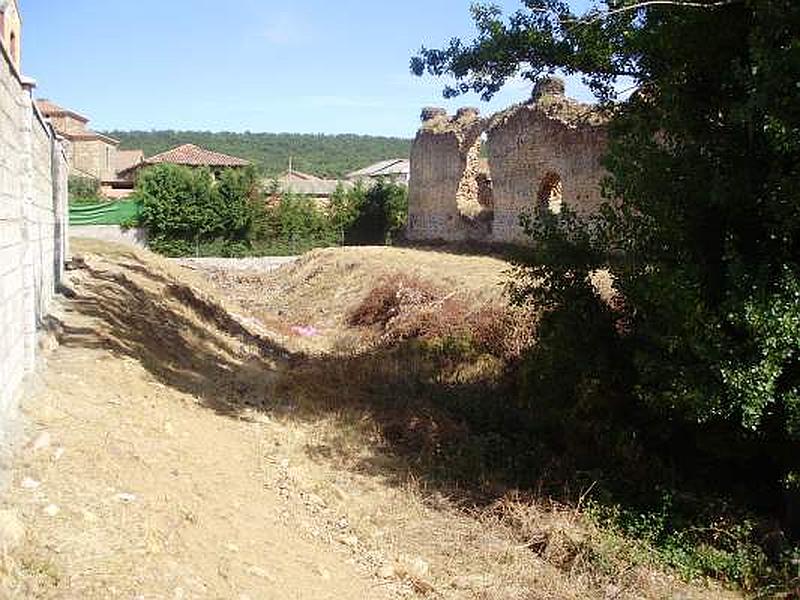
(13, 46)
(550, 196)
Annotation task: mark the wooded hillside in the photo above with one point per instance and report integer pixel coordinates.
(323, 155)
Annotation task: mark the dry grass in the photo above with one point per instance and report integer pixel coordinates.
(326, 444)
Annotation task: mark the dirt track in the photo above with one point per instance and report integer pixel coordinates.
(177, 451)
(137, 489)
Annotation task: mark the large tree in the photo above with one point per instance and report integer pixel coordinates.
(702, 228)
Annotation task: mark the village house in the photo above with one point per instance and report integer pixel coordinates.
(91, 155)
(309, 186)
(11, 30)
(188, 155)
(394, 170)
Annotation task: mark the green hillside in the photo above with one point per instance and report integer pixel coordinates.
(323, 155)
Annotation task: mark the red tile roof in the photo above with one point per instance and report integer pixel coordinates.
(195, 156)
(51, 109)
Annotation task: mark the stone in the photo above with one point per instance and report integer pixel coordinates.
(41, 442)
(471, 582)
(51, 510)
(415, 566)
(125, 497)
(30, 484)
(387, 571)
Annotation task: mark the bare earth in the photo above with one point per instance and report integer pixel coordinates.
(164, 457)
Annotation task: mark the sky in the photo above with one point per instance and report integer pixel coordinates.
(302, 66)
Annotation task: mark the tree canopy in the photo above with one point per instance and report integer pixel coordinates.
(322, 155)
(700, 231)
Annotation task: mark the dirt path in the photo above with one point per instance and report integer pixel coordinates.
(174, 450)
(131, 488)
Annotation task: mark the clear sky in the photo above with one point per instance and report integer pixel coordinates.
(306, 66)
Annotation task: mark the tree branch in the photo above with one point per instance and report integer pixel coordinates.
(638, 5)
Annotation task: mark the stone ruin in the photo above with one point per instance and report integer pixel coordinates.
(472, 177)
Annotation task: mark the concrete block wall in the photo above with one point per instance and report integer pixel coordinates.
(33, 224)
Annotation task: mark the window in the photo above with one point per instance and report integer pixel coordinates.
(550, 196)
(12, 43)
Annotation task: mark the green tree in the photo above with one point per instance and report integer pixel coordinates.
(380, 214)
(183, 208)
(701, 232)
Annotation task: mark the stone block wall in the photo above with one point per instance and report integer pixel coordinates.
(93, 158)
(33, 221)
(531, 152)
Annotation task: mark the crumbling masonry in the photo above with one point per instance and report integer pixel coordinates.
(537, 155)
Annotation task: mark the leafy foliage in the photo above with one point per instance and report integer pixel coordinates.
(693, 372)
(323, 155)
(84, 190)
(379, 214)
(182, 207)
(189, 212)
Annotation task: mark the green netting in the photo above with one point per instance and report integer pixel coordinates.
(104, 213)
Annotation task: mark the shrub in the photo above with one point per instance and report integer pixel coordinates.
(380, 214)
(185, 209)
(84, 190)
(406, 307)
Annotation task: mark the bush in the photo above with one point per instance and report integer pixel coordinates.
(84, 190)
(185, 209)
(404, 307)
(380, 214)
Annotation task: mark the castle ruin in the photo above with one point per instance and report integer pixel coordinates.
(472, 177)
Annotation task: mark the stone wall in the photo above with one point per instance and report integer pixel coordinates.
(541, 154)
(33, 218)
(93, 158)
(445, 165)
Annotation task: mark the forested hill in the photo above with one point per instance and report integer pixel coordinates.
(323, 155)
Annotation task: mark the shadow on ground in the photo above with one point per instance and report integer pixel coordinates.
(190, 343)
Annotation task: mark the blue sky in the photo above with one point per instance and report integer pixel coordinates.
(313, 66)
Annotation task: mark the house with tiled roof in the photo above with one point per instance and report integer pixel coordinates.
(307, 185)
(91, 154)
(188, 155)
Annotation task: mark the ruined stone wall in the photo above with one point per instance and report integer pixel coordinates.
(530, 152)
(443, 188)
(546, 153)
(33, 218)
